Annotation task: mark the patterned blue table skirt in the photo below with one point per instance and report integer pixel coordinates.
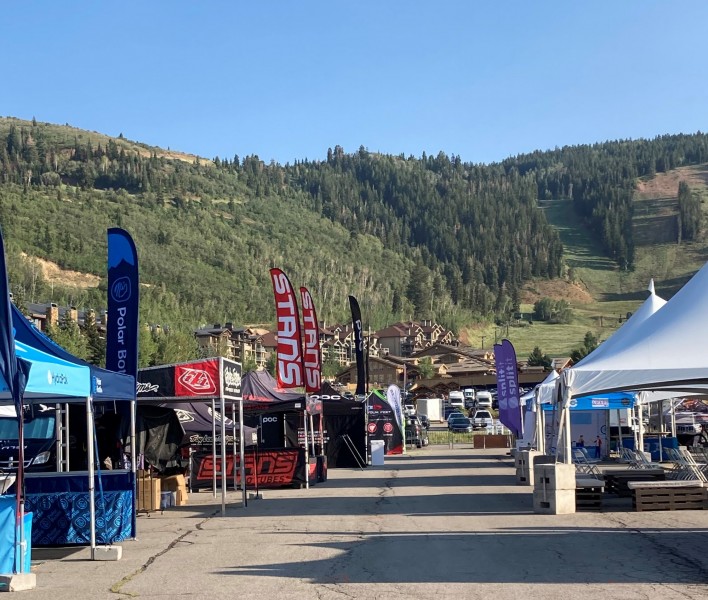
(60, 507)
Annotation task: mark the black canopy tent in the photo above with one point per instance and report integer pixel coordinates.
(203, 381)
(276, 413)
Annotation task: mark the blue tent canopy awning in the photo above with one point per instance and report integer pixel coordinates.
(107, 385)
(50, 378)
(610, 401)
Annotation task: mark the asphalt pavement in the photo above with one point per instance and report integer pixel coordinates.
(436, 523)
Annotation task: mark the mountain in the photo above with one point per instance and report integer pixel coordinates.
(428, 237)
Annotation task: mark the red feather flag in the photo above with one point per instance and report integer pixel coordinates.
(313, 357)
(290, 357)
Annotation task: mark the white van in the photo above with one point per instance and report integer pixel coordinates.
(456, 399)
(484, 400)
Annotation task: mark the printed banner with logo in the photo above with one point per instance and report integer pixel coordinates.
(311, 333)
(290, 358)
(195, 379)
(123, 303)
(358, 346)
(383, 424)
(608, 401)
(393, 397)
(508, 387)
(265, 468)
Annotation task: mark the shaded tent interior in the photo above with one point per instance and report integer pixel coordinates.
(213, 381)
(278, 415)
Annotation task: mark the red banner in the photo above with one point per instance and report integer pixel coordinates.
(311, 333)
(197, 379)
(290, 362)
(272, 468)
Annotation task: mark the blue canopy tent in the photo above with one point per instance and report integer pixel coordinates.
(585, 418)
(56, 376)
(109, 384)
(50, 379)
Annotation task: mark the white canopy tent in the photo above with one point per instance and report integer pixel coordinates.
(660, 351)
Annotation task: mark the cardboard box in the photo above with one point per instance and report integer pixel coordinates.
(149, 493)
(181, 499)
(174, 483)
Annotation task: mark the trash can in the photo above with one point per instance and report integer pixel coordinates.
(378, 448)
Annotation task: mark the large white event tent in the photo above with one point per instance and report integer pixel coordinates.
(661, 353)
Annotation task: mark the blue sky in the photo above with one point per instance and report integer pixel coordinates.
(287, 80)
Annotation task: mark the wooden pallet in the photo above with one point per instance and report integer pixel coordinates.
(588, 496)
(669, 498)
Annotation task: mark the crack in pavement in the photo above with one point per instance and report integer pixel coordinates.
(117, 587)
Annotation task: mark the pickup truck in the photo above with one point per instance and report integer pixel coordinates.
(482, 419)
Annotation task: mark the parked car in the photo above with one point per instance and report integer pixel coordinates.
(448, 410)
(460, 424)
(482, 419)
(454, 414)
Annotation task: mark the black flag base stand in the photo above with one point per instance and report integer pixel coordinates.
(361, 463)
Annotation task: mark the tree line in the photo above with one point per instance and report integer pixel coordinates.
(427, 237)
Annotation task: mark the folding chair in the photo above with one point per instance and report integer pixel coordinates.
(585, 465)
(644, 463)
(628, 456)
(684, 466)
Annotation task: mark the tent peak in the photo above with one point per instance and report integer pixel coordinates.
(651, 286)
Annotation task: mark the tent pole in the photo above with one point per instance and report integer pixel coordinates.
(20, 543)
(222, 409)
(307, 453)
(242, 454)
(213, 448)
(233, 446)
(640, 426)
(619, 430)
(241, 451)
(134, 458)
(91, 483)
(312, 434)
(567, 459)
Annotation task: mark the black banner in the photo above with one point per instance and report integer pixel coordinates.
(359, 346)
(157, 382)
(231, 376)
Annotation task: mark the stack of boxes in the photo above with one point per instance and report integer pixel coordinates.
(177, 486)
(148, 491)
(554, 489)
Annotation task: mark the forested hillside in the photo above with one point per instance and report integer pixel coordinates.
(428, 237)
(600, 179)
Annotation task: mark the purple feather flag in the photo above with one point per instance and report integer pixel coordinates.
(508, 387)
